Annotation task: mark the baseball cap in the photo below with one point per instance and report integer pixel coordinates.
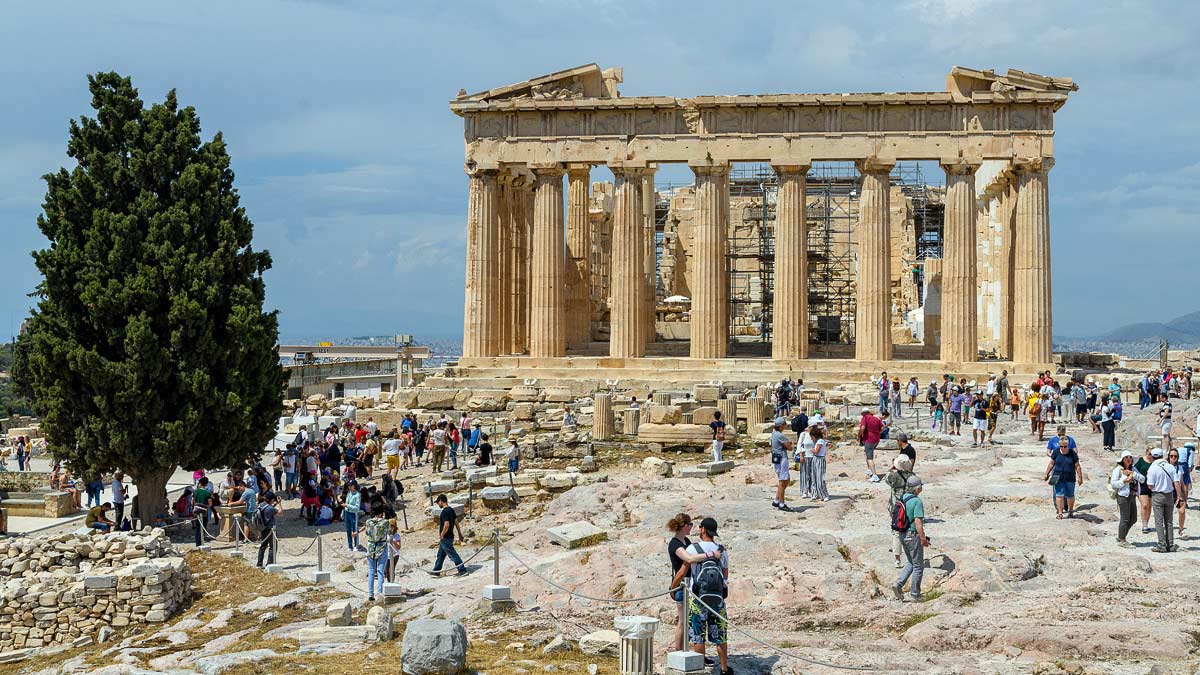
(779, 421)
(1125, 454)
(709, 525)
(914, 481)
(1157, 452)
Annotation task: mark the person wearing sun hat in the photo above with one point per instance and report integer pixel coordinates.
(1124, 485)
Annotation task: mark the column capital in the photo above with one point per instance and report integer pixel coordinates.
(708, 167)
(1032, 164)
(789, 168)
(473, 169)
(875, 164)
(576, 170)
(548, 169)
(959, 166)
(630, 171)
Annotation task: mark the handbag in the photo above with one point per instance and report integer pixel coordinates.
(1053, 479)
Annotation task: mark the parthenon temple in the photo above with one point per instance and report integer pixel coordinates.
(808, 245)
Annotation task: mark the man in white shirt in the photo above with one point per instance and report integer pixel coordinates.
(371, 426)
(1163, 480)
(391, 454)
(118, 498)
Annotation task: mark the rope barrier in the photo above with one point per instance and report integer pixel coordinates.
(588, 597)
(466, 560)
(775, 649)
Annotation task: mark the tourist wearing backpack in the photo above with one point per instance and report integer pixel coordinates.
(265, 520)
(708, 618)
(908, 518)
(897, 480)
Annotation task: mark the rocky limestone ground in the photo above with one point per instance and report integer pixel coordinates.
(1009, 588)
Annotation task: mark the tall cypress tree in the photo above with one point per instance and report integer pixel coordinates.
(149, 348)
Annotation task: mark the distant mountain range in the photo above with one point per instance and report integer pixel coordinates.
(1181, 332)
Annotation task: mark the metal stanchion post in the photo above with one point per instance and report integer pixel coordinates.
(495, 596)
(320, 575)
(470, 499)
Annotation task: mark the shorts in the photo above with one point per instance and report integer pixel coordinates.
(956, 419)
(1187, 476)
(1080, 408)
(677, 595)
(393, 461)
(1165, 428)
(705, 626)
(869, 450)
(1064, 489)
(782, 470)
(979, 425)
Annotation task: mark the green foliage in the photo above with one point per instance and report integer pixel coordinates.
(10, 402)
(149, 347)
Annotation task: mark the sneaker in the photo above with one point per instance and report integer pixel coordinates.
(1124, 544)
(898, 592)
(727, 671)
(899, 564)
(1173, 549)
(709, 662)
(916, 598)
(874, 478)
(784, 507)
(370, 598)
(1146, 530)
(825, 499)
(774, 503)
(1159, 549)
(869, 475)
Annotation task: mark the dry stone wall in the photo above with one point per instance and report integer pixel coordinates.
(67, 587)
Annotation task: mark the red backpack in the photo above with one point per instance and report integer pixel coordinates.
(900, 517)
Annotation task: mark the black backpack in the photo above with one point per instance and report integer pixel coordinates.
(708, 584)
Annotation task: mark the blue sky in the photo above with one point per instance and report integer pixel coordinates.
(350, 163)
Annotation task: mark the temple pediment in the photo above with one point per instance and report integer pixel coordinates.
(587, 81)
(966, 81)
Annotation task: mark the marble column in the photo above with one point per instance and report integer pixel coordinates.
(626, 272)
(710, 284)
(1006, 200)
(504, 275)
(547, 330)
(602, 417)
(647, 328)
(960, 282)
(933, 307)
(789, 332)
(1032, 319)
(518, 241)
(873, 319)
(481, 308)
(579, 252)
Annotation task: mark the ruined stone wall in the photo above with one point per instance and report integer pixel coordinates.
(67, 587)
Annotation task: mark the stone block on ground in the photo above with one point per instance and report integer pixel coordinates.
(665, 414)
(703, 414)
(577, 534)
(558, 481)
(524, 394)
(219, 663)
(715, 468)
(335, 635)
(600, 643)
(436, 399)
(338, 614)
(381, 623)
(706, 392)
(438, 487)
(492, 592)
(657, 466)
(434, 647)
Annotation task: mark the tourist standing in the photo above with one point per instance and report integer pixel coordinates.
(816, 457)
(267, 513)
(912, 390)
(718, 435)
(1162, 478)
(780, 460)
(22, 453)
(911, 525)
(439, 445)
(1063, 472)
(897, 480)
(708, 620)
(680, 527)
(377, 531)
(885, 391)
(118, 498)
(1183, 466)
(391, 455)
(958, 401)
(979, 415)
(447, 526)
(202, 504)
(1165, 412)
(1142, 466)
(1108, 424)
(351, 508)
(1124, 481)
(897, 399)
(870, 429)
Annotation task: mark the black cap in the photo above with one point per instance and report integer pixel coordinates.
(709, 525)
